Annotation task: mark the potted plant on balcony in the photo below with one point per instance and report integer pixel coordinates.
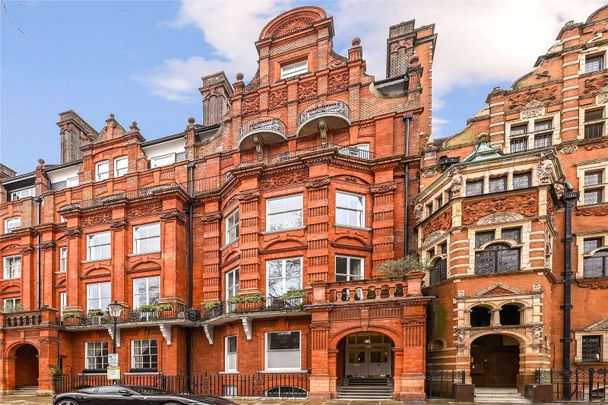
(294, 299)
(147, 312)
(243, 302)
(398, 268)
(72, 318)
(164, 309)
(96, 316)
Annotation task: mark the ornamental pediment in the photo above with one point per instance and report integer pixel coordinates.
(601, 325)
(498, 289)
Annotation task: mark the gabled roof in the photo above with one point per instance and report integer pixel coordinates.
(483, 151)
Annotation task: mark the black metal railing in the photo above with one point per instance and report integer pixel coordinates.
(583, 384)
(439, 384)
(273, 385)
(175, 313)
(263, 305)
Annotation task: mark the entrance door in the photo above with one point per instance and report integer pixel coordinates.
(494, 361)
(26, 366)
(368, 355)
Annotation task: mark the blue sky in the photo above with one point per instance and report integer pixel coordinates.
(142, 60)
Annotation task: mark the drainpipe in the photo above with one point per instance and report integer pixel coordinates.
(38, 253)
(570, 197)
(406, 179)
(190, 209)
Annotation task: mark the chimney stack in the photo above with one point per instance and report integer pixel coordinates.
(399, 48)
(216, 92)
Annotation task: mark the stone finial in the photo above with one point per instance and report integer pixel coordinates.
(40, 164)
(356, 41)
(133, 126)
(111, 116)
(239, 76)
(414, 59)
(191, 120)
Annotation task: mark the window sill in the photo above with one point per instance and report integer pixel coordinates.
(142, 373)
(94, 261)
(143, 254)
(229, 372)
(10, 279)
(284, 370)
(227, 245)
(284, 230)
(359, 228)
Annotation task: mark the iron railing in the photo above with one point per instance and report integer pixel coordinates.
(439, 384)
(273, 385)
(176, 313)
(269, 304)
(583, 384)
(327, 107)
(264, 124)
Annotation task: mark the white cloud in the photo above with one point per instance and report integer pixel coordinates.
(438, 124)
(478, 41)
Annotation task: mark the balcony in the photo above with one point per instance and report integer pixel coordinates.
(26, 319)
(261, 131)
(177, 314)
(347, 151)
(323, 116)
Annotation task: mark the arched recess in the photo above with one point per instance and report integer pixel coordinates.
(495, 359)
(26, 360)
(364, 355)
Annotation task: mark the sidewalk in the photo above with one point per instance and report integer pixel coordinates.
(23, 400)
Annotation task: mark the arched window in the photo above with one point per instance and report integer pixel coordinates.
(497, 258)
(436, 345)
(480, 316)
(596, 265)
(510, 315)
(286, 392)
(439, 271)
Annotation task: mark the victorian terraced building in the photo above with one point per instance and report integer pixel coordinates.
(249, 244)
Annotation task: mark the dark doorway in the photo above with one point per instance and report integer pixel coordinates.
(26, 366)
(494, 361)
(510, 315)
(480, 316)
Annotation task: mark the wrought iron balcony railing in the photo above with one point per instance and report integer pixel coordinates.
(269, 304)
(291, 155)
(176, 313)
(269, 130)
(327, 108)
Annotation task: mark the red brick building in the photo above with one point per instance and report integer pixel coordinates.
(249, 244)
(492, 219)
(246, 244)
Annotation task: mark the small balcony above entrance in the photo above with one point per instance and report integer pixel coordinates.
(261, 131)
(323, 116)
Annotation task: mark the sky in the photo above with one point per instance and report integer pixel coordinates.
(142, 60)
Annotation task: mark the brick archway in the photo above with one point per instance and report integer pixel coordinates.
(25, 358)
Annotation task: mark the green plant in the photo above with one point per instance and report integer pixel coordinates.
(147, 308)
(56, 371)
(95, 312)
(211, 305)
(400, 267)
(249, 298)
(72, 315)
(164, 307)
(294, 294)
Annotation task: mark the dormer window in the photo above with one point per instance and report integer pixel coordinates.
(294, 69)
(121, 166)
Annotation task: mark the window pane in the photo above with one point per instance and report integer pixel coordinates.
(594, 63)
(512, 234)
(543, 125)
(593, 178)
(594, 266)
(592, 244)
(508, 260)
(283, 340)
(519, 129)
(592, 348)
(522, 180)
(483, 237)
(498, 184)
(519, 144)
(593, 196)
(474, 187)
(542, 141)
(594, 115)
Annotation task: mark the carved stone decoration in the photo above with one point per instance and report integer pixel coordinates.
(567, 149)
(545, 171)
(432, 238)
(429, 172)
(384, 188)
(595, 83)
(497, 289)
(545, 94)
(251, 196)
(292, 25)
(307, 90)
(537, 337)
(97, 219)
(559, 189)
(142, 210)
(500, 218)
(524, 204)
(596, 145)
(460, 336)
(418, 212)
(598, 210)
(532, 109)
(337, 82)
(317, 184)
(174, 215)
(250, 105)
(165, 330)
(284, 180)
(277, 98)
(457, 183)
(47, 245)
(601, 99)
(72, 233)
(211, 218)
(442, 222)
(122, 224)
(27, 250)
(601, 325)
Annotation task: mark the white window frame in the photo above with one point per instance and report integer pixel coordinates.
(349, 276)
(72, 181)
(63, 259)
(23, 193)
(293, 69)
(12, 271)
(283, 277)
(149, 300)
(137, 239)
(603, 186)
(140, 342)
(285, 226)
(231, 357)
(266, 350)
(14, 301)
(63, 303)
(99, 174)
(360, 150)
(160, 160)
(91, 237)
(362, 212)
(232, 230)
(599, 54)
(232, 282)
(121, 171)
(7, 224)
(99, 345)
(100, 301)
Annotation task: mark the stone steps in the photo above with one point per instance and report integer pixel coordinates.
(499, 395)
(366, 389)
(25, 391)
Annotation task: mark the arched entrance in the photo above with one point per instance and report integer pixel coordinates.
(494, 361)
(26, 366)
(365, 355)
